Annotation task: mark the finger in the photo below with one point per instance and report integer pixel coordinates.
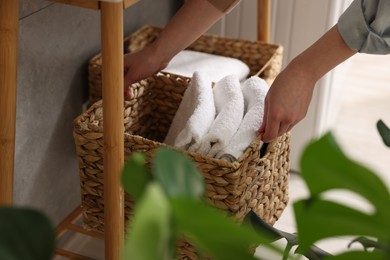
(263, 124)
(127, 92)
(128, 79)
(283, 129)
(262, 127)
(271, 130)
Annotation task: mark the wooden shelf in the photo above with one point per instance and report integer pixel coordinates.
(69, 224)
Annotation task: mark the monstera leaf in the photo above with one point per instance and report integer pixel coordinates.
(170, 205)
(324, 168)
(25, 234)
(384, 131)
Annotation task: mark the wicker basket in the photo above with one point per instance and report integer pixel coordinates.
(253, 182)
(250, 183)
(263, 59)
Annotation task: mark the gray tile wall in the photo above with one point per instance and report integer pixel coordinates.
(55, 44)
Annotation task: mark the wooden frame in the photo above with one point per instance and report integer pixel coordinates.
(93, 4)
(113, 126)
(9, 16)
(69, 225)
(112, 46)
(263, 20)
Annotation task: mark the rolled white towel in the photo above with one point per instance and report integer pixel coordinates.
(229, 103)
(195, 114)
(254, 91)
(187, 62)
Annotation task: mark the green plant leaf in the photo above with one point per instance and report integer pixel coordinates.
(177, 174)
(319, 219)
(25, 234)
(384, 131)
(214, 233)
(150, 234)
(136, 175)
(357, 255)
(325, 167)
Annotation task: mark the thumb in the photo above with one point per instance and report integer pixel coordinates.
(128, 79)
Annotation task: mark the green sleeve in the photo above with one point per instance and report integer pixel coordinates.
(365, 26)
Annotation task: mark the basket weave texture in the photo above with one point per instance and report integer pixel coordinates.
(250, 183)
(263, 59)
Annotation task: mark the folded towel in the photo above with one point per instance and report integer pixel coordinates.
(229, 103)
(187, 62)
(195, 114)
(254, 91)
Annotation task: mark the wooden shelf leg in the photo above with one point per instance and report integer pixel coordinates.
(113, 127)
(9, 12)
(263, 20)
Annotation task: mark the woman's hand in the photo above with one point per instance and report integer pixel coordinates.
(289, 96)
(140, 65)
(286, 103)
(191, 21)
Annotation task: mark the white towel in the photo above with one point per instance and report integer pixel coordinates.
(187, 62)
(229, 103)
(195, 114)
(254, 91)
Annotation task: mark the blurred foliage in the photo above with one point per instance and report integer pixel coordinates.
(25, 234)
(170, 206)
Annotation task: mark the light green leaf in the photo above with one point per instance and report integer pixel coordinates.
(136, 175)
(319, 219)
(384, 131)
(214, 233)
(177, 174)
(324, 167)
(25, 234)
(150, 234)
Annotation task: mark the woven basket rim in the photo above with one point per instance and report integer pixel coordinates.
(146, 27)
(255, 144)
(156, 27)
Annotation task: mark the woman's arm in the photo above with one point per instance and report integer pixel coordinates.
(193, 19)
(363, 27)
(289, 96)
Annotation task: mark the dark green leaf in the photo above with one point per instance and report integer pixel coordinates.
(318, 219)
(324, 167)
(136, 175)
(384, 131)
(360, 255)
(150, 234)
(177, 174)
(214, 233)
(287, 250)
(25, 234)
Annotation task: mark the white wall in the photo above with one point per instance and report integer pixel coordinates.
(295, 25)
